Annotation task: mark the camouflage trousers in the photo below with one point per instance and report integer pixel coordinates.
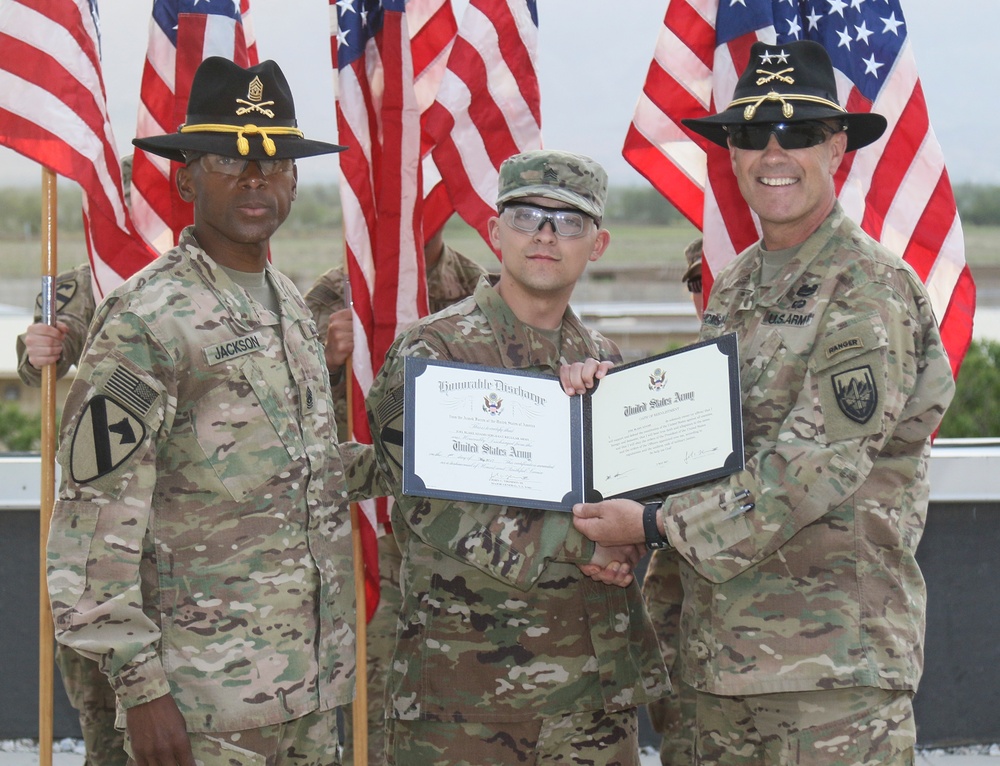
(859, 726)
(381, 642)
(92, 697)
(311, 740)
(591, 737)
(672, 717)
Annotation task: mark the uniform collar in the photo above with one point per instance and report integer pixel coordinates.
(520, 346)
(229, 294)
(747, 267)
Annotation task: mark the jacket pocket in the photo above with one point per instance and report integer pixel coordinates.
(244, 432)
(848, 380)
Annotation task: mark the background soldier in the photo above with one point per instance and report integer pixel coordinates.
(40, 344)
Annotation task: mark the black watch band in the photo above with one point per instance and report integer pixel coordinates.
(654, 540)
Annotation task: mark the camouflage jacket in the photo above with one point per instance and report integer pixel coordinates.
(74, 307)
(844, 379)
(453, 277)
(200, 544)
(497, 622)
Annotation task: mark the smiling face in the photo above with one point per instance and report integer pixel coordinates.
(235, 216)
(790, 190)
(539, 269)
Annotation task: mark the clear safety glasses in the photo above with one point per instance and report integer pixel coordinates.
(568, 224)
(232, 166)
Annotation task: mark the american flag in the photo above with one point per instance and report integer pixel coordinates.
(53, 109)
(378, 119)
(488, 106)
(182, 33)
(432, 28)
(897, 188)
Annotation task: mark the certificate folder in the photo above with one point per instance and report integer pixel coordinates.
(490, 435)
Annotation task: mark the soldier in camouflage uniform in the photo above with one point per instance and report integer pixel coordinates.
(450, 278)
(88, 689)
(42, 344)
(62, 344)
(506, 651)
(200, 547)
(803, 616)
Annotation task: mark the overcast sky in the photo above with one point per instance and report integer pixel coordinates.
(593, 57)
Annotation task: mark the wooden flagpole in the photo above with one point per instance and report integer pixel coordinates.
(360, 717)
(46, 661)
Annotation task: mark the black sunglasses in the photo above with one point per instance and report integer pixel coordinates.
(790, 135)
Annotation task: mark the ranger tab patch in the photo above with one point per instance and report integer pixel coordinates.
(856, 393)
(105, 436)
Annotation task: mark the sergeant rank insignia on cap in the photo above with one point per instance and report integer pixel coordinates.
(254, 101)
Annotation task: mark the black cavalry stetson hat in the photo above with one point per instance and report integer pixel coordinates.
(238, 112)
(788, 83)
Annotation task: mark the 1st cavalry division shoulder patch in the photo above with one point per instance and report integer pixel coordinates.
(65, 292)
(106, 435)
(856, 393)
(389, 422)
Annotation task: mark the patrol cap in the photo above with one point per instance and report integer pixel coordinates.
(693, 255)
(571, 178)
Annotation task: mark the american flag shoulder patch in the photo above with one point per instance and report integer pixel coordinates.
(126, 388)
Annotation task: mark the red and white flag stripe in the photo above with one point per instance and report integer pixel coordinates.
(432, 28)
(180, 38)
(378, 119)
(488, 106)
(53, 109)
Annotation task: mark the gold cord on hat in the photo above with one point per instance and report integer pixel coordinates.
(787, 109)
(242, 144)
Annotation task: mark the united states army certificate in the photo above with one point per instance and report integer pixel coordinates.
(514, 438)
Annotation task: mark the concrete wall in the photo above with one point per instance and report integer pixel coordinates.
(958, 698)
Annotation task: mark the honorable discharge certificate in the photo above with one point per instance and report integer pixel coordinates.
(514, 438)
(479, 432)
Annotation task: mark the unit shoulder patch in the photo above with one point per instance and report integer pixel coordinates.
(65, 292)
(856, 393)
(389, 424)
(106, 435)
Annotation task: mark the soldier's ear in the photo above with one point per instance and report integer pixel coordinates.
(185, 185)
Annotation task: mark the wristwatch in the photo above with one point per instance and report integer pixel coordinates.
(654, 540)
